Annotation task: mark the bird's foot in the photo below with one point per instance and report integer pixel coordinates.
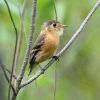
(56, 57)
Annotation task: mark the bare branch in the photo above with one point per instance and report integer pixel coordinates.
(5, 74)
(28, 45)
(73, 38)
(22, 29)
(14, 48)
(14, 76)
(55, 9)
(55, 85)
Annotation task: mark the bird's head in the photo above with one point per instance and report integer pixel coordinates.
(54, 26)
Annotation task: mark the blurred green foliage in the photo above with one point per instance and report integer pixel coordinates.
(78, 70)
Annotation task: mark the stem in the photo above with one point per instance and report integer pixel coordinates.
(21, 75)
(55, 9)
(22, 29)
(12, 69)
(5, 74)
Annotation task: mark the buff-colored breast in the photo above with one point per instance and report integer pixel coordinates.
(49, 47)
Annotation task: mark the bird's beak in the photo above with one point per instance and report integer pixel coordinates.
(64, 26)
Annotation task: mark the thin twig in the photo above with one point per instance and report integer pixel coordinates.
(29, 43)
(22, 29)
(14, 47)
(5, 74)
(14, 76)
(21, 75)
(73, 38)
(55, 9)
(55, 83)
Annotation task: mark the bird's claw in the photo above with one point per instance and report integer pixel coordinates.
(56, 57)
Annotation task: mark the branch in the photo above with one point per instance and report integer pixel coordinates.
(14, 76)
(14, 47)
(22, 29)
(73, 38)
(55, 9)
(21, 75)
(5, 74)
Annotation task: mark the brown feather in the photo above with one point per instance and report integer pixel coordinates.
(35, 50)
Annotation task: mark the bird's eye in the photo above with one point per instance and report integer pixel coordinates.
(54, 24)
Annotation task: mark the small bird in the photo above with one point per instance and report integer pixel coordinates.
(46, 43)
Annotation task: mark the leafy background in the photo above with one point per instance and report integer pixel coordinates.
(78, 69)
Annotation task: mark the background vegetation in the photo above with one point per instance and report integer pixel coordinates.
(78, 70)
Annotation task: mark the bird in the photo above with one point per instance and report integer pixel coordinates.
(46, 43)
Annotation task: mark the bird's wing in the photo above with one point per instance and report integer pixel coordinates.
(37, 47)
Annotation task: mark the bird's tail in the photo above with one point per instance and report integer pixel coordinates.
(29, 72)
(30, 69)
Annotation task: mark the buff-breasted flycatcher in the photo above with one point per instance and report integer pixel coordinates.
(46, 43)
